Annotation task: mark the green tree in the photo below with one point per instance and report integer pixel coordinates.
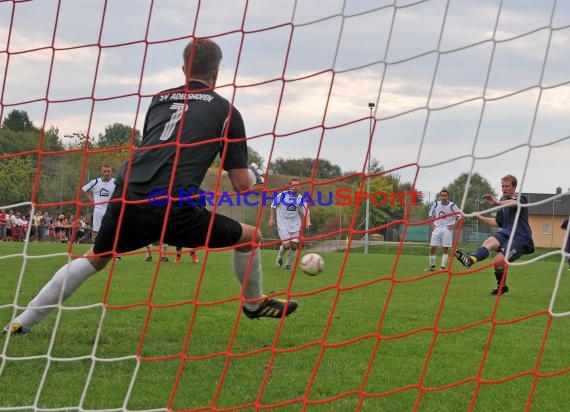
(478, 186)
(16, 179)
(18, 121)
(303, 168)
(118, 134)
(253, 156)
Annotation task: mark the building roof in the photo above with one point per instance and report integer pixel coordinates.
(555, 207)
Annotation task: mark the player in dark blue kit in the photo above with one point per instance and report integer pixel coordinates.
(185, 129)
(521, 234)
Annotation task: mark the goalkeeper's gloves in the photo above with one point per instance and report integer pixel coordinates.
(257, 177)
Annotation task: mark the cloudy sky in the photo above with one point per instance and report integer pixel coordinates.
(458, 85)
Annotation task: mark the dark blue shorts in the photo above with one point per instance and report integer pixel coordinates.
(519, 247)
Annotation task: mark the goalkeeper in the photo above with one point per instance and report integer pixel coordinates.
(195, 116)
(520, 234)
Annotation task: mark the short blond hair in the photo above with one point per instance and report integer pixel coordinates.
(510, 178)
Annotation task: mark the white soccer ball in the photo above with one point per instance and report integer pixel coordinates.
(312, 264)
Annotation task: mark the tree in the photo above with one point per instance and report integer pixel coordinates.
(18, 121)
(478, 186)
(16, 179)
(303, 168)
(118, 135)
(254, 157)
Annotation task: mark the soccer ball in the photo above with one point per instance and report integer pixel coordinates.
(312, 264)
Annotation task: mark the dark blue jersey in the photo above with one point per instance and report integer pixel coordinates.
(506, 218)
(196, 117)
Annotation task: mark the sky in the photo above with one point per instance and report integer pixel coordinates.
(457, 85)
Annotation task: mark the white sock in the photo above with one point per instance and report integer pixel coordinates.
(148, 252)
(431, 260)
(281, 251)
(444, 259)
(290, 257)
(71, 275)
(254, 288)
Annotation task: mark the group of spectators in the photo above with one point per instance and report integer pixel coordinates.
(45, 227)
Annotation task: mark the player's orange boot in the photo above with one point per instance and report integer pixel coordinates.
(194, 256)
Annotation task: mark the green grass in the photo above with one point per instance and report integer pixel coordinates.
(380, 334)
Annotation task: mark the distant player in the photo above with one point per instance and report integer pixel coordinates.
(99, 191)
(286, 211)
(193, 255)
(521, 235)
(163, 255)
(564, 226)
(445, 213)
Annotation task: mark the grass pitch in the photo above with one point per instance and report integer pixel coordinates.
(373, 332)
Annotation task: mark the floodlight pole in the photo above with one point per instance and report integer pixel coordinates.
(367, 218)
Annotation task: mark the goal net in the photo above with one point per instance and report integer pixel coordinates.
(384, 97)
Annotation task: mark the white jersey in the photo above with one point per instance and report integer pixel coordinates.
(444, 214)
(288, 210)
(101, 191)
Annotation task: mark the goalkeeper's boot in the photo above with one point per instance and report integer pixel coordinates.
(272, 308)
(463, 258)
(148, 259)
(15, 329)
(495, 292)
(279, 262)
(164, 259)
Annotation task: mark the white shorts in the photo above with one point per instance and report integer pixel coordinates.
(287, 236)
(97, 217)
(442, 236)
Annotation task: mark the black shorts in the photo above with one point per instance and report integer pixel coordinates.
(142, 224)
(519, 247)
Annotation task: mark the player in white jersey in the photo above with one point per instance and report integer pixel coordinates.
(99, 191)
(445, 213)
(286, 211)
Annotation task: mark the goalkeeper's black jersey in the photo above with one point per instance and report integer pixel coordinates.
(181, 117)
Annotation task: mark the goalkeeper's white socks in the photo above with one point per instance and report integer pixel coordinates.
(253, 289)
(281, 252)
(431, 260)
(444, 259)
(71, 276)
